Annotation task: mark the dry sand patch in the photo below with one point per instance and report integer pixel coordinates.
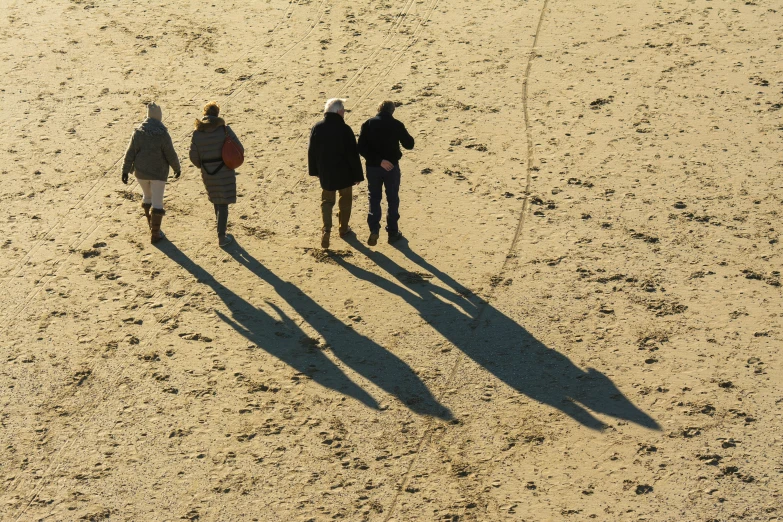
(584, 321)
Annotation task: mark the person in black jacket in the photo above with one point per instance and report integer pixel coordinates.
(379, 144)
(333, 157)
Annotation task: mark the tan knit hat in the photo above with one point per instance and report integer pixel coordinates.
(154, 111)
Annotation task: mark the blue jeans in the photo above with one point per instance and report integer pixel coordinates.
(377, 179)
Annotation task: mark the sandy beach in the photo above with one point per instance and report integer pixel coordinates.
(583, 322)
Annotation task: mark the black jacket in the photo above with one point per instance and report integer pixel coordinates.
(332, 154)
(380, 139)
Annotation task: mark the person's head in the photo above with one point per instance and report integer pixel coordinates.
(212, 109)
(336, 105)
(386, 106)
(154, 111)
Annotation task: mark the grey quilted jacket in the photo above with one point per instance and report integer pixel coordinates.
(151, 152)
(206, 149)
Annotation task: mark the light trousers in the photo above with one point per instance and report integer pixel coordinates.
(153, 192)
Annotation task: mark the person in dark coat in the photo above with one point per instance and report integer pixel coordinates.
(206, 153)
(332, 156)
(379, 143)
(149, 155)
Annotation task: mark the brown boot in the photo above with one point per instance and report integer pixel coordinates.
(325, 237)
(155, 220)
(147, 207)
(344, 212)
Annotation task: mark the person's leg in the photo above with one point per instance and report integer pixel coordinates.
(155, 221)
(146, 190)
(374, 194)
(156, 218)
(221, 212)
(344, 212)
(328, 197)
(392, 184)
(146, 207)
(146, 200)
(157, 189)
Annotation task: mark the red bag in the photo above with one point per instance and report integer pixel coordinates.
(232, 154)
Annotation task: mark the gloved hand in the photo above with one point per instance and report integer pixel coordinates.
(176, 175)
(125, 177)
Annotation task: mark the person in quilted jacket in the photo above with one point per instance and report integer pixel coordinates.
(150, 154)
(206, 153)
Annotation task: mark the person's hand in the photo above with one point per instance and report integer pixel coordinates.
(176, 175)
(125, 177)
(387, 165)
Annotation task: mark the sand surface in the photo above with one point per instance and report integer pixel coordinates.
(584, 321)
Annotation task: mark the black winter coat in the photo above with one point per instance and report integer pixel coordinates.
(332, 154)
(380, 139)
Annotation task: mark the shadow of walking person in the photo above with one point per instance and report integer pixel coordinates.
(359, 353)
(500, 345)
(262, 330)
(362, 355)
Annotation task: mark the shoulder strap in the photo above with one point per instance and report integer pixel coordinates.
(215, 171)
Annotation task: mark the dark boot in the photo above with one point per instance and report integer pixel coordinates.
(147, 207)
(325, 232)
(155, 220)
(221, 214)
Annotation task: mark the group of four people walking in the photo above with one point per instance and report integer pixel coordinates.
(333, 157)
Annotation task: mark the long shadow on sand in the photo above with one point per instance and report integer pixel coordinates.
(499, 344)
(282, 338)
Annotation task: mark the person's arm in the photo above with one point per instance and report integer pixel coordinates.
(234, 138)
(130, 157)
(312, 156)
(352, 150)
(195, 158)
(365, 145)
(171, 155)
(406, 140)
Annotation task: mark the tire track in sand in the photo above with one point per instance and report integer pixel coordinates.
(173, 311)
(105, 393)
(362, 97)
(98, 185)
(286, 15)
(426, 436)
(390, 34)
(82, 236)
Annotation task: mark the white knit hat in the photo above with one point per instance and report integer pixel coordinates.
(154, 111)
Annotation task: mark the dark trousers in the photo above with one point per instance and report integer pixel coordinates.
(221, 213)
(379, 178)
